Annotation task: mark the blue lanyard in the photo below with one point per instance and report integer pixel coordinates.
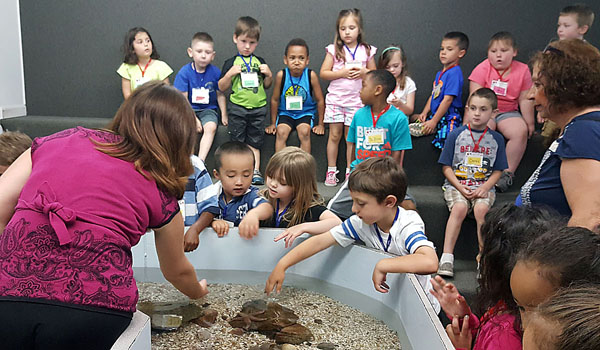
(389, 240)
(278, 216)
(353, 54)
(248, 65)
(295, 86)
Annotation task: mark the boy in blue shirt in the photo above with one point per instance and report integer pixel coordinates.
(441, 113)
(199, 82)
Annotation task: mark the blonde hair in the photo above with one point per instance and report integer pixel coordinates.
(297, 169)
(337, 41)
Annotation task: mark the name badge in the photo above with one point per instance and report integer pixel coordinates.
(249, 80)
(353, 64)
(375, 136)
(499, 87)
(474, 159)
(182, 207)
(200, 95)
(293, 103)
(141, 81)
(437, 88)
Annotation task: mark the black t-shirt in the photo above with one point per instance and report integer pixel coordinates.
(312, 214)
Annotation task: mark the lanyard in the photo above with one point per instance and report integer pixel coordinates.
(375, 119)
(295, 87)
(223, 210)
(248, 65)
(278, 216)
(442, 73)
(480, 137)
(353, 54)
(501, 75)
(389, 240)
(145, 68)
(198, 73)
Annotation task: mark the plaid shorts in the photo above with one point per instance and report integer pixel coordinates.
(453, 196)
(339, 114)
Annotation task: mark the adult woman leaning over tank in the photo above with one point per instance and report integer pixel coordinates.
(566, 90)
(72, 207)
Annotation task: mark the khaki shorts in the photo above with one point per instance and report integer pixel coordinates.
(453, 196)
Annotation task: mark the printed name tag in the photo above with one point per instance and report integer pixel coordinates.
(474, 159)
(293, 103)
(499, 87)
(375, 136)
(353, 64)
(141, 81)
(249, 80)
(200, 95)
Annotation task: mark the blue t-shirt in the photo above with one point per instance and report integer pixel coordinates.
(392, 126)
(188, 79)
(236, 209)
(293, 86)
(580, 140)
(197, 183)
(489, 156)
(452, 84)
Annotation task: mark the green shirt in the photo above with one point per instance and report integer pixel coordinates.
(246, 97)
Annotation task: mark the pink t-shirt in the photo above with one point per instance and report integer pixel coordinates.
(497, 333)
(346, 92)
(518, 79)
(77, 218)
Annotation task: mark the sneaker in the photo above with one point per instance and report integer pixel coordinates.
(505, 181)
(446, 269)
(257, 178)
(415, 129)
(331, 178)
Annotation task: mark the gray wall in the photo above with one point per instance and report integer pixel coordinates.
(71, 48)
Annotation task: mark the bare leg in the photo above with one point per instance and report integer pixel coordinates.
(335, 134)
(304, 136)
(281, 136)
(515, 132)
(256, 157)
(206, 141)
(479, 210)
(455, 220)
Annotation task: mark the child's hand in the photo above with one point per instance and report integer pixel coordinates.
(319, 129)
(379, 279)
(191, 240)
(466, 191)
(428, 126)
(275, 280)
(480, 192)
(198, 126)
(271, 129)
(221, 227)
(395, 101)
(461, 337)
(224, 119)
(248, 228)
(264, 69)
(422, 117)
(290, 235)
(450, 299)
(234, 70)
(354, 73)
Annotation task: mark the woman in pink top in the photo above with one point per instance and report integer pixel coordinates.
(510, 80)
(72, 207)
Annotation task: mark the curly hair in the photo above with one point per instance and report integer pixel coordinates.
(569, 71)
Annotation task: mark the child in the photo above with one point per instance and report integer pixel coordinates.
(141, 62)
(377, 130)
(441, 113)
(505, 231)
(12, 144)
(472, 160)
(511, 81)
(239, 202)
(198, 81)
(567, 321)
(347, 61)
(393, 60)
(376, 186)
(248, 106)
(294, 104)
(574, 22)
(292, 191)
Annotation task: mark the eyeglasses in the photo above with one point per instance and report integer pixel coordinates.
(551, 49)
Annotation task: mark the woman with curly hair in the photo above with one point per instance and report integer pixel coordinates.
(566, 90)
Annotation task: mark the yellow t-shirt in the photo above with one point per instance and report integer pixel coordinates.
(157, 70)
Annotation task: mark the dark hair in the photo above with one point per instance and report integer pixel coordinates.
(247, 26)
(503, 36)
(565, 255)
(202, 36)
(486, 93)
(462, 40)
(157, 129)
(296, 42)
(385, 58)
(379, 177)
(12, 145)
(585, 15)
(569, 71)
(384, 78)
(337, 41)
(232, 147)
(506, 230)
(130, 56)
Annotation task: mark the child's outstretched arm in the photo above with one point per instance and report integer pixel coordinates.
(126, 87)
(191, 239)
(430, 125)
(526, 106)
(423, 261)
(327, 221)
(275, 97)
(248, 228)
(318, 129)
(304, 250)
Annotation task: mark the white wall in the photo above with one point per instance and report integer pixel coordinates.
(12, 83)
